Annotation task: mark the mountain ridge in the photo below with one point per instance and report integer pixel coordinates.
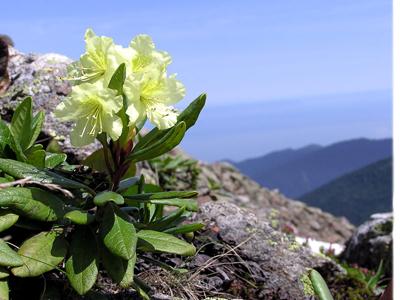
(299, 171)
(358, 194)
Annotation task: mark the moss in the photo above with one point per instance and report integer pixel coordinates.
(271, 242)
(307, 285)
(294, 246)
(274, 223)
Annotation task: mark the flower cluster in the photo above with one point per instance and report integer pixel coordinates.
(148, 91)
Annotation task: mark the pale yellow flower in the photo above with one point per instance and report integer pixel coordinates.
(94, 110)
(151, 95)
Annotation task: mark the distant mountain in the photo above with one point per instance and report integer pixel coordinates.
(356, 195)
(298, 171)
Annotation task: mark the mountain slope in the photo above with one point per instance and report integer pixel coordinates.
(296, 172)
(273, 160)
(356, 195)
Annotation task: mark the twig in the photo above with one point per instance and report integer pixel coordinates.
(16, 182)
(27, 180)
(212, 259)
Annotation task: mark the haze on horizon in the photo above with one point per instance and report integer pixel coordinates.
(277, 74)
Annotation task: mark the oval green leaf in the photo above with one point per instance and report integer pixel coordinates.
(118, 78)
(4, 290)
(169, 140)
(189, 116)
(120, 270)
(118, 233)
(186, 228)
(154, 241)
(80, 217)
(7, 219)
(103, 198)
(21, 123)
(82, 266)
(41, 253)
(8, 257)
(3, 273)
(163, 195)
(32, 203)
(52, 160)
(21, 170)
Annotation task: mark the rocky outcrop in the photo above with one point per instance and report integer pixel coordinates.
(41, 77)
(222, 181)
(371, 243)
(277, 264)
(241, 257)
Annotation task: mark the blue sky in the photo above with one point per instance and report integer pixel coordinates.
(246, 55)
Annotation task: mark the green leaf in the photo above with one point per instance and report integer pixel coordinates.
(54, 146)
(80, 217)
(21, 123)
(166, 198)
(150, 240)
(168, 141)
(120, 270)
(117, 232)
(118, 79)
(7, 219)
(3, 273)
(97, 161)
(21, 170)
(189, 116)
(33, 203)
(163, 195)
(52, 160)
(163, 223)
(37, 123)
(6, 138)
(186, 228)
(36, 158)
(191, 205)
(127, 183)
(103, 198)
(4, 290)
(320, 287)
(373, 281)
(8, 257)
(82, 265)
(192, 112)
(41, 253)
(141, 288)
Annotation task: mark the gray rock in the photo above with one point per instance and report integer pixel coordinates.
(43, 78)
(277, 263)
(284, 213)
(371, 243)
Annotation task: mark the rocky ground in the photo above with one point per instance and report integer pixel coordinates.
(247, 250)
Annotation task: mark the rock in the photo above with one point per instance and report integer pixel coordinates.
(42, 78)
(371, 243)
(276, 264)
(283, 213)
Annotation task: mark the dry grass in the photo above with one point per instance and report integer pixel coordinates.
(228, 266)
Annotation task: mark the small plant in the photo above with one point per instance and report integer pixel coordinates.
(75, 224)
(370, 281)
(176, 170)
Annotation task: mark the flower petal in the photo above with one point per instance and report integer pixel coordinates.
(112, 124)
(80, 134)
(162, 116)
